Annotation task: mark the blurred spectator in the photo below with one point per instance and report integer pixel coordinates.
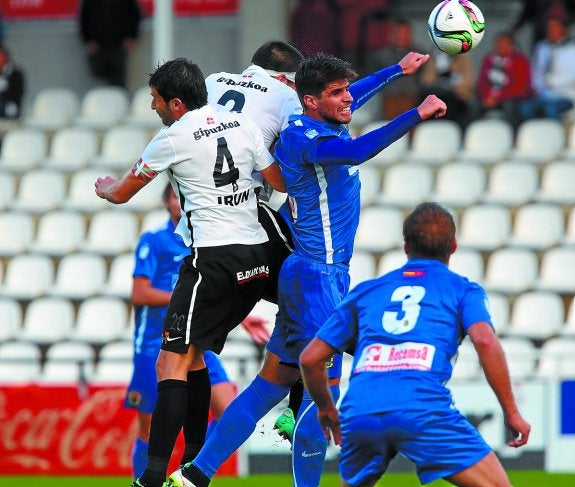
(11, 86)
(405, 92)
(553, 74)
(504, 79)
(109, 30)
(451, 78)
(311, 36)
(536, 13)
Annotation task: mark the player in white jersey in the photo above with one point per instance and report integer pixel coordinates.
(209, 157)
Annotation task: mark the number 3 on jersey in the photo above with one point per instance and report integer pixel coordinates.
(225, 178)
(409, 297)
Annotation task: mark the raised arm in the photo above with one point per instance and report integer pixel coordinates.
(365, 88)
(494, 365)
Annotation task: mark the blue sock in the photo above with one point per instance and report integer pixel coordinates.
(308, 443)
(139, 457)
(238, 422)
(211, 427)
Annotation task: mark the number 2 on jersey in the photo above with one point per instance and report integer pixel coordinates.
(410, 297)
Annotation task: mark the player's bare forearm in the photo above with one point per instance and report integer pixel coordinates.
(121, 191)
(494, 364)
(273, 175)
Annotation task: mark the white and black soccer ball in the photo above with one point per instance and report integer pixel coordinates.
(456, 26)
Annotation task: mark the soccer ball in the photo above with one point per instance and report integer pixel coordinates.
(456, 26)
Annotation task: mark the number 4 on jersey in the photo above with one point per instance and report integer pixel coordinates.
(233, 174)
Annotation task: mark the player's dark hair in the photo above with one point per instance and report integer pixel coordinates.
(279, 56)
(429, 232)
(180, 78)
(318, 71)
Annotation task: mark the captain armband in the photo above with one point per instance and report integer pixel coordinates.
(142, 171)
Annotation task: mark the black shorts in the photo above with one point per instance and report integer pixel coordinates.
(217, 288)
(278, 247)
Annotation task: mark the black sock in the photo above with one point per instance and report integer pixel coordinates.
(198, 477)
(295, 397)
(196, 422)
(167, 419)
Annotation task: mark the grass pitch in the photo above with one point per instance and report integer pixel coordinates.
(531, 478)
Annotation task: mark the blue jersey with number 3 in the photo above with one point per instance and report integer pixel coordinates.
(405, 328)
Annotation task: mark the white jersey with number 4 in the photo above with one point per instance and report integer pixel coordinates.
(209, 157)
(267, 101)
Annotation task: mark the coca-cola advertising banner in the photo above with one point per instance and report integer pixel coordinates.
(71, 431)
(51, 9)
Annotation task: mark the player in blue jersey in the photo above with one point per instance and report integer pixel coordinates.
(319, 162)
(158, 256)
(404, 329)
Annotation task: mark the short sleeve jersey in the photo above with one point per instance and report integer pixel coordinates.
(209, 157)
(324, 199)
(265, 100)
(405, 328)
(158, 257)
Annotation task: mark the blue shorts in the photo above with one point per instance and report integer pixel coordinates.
(143, 388)
(440, 443)
(308, 293)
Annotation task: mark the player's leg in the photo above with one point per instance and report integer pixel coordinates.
(141, 395)
(239, 419)
(169, 412)
(487, 472)
(286, 421)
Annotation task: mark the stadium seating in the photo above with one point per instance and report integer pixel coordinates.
(68, 361)
(121, 147)
(101, 320)
(390, 260)
(119, 280)
(102, 107)
(521, 355)
(52, 109)
(557, 183)
(536, 315)
(22, 149)
(537, 226)
(7, 189)
(361, 267)
(468, 262)
(21, 362)
(498, 133)
(81, 195)
(379, 229)
(406, 184)
(557, 272)
(370, 178)
(11, 318)
(28, 276)
(539, 141)
(499, 310)
(511, 270)
(40, 190)
(141, 113)
(435, 142)
(484, 227)
(16, 232)
(79, 276)
(71, 149)
(557, 359)
(466, 366)
(459, 185)
(114, 363)
(59, 232)
(511, 183)
(48, 320)
(111, 232)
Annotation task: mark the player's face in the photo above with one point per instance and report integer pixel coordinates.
(162, 107)
(334, 103)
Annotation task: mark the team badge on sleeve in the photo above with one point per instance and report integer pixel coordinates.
(141, 170)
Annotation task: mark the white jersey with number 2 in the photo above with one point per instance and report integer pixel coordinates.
(209, 156)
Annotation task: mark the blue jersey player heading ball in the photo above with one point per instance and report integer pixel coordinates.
(319, 161)
(405, 328)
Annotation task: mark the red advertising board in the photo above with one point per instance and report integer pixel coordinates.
(61, 9)
(67, 431)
